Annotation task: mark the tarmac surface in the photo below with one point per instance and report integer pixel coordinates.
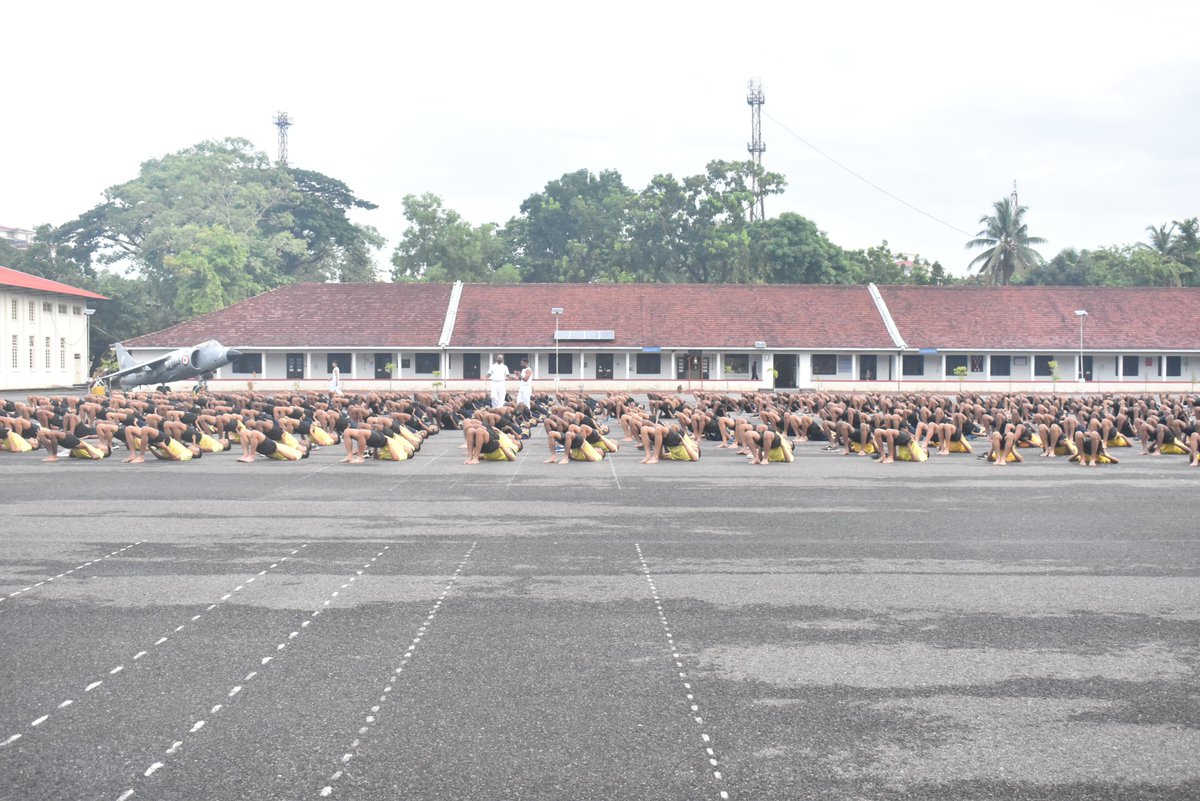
(830, 629)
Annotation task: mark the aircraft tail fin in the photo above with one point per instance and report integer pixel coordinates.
(124, 359)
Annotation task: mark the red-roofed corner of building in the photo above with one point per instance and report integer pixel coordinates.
(15, 278)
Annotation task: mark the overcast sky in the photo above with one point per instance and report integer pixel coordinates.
(1093, 108)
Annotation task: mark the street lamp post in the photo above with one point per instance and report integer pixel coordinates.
(1081, 313)
(556, 312)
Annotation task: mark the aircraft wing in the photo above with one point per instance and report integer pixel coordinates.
(144, 367)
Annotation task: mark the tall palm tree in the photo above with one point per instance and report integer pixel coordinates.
(1008, 244)
(1162, 239)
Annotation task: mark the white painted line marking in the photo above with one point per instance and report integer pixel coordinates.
(40, 720)
(150, 770)
(11, 740)
(216, 709)
(93, 686)
(235, 691)
(123, 796)
(197, 726)
(65, 704)
(160, 640)
(116, 670)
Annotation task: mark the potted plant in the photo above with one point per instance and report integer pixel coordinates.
(438, 383)
(961, 372)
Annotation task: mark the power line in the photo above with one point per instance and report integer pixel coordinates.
(869, 183)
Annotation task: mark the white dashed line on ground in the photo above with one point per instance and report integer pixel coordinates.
(370, 718)
(693, 706)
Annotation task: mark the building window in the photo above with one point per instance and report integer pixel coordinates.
(914, 364)
(32, 305)
(62, 308)
(561, 363)
(1174, 366)
(1041, 366)
(46, 365)
(955, 362)
(62, 353)
(15, 358)
(47, 307)
(1129, 365)
(824, 364)
(342, 360)
(77, 310)
(1002, 365)
(31, 347)
(737, 363)
(648, 364)
(427, 363)
(248, 364)
(14, 309)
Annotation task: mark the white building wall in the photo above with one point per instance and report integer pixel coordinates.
(62, 329)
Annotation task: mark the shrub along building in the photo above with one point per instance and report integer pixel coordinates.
(660, 336)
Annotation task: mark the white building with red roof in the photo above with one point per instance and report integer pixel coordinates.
(44, 332)
(660, 336)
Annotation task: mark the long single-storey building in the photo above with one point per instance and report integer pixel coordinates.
(44, 330)
(661, 336)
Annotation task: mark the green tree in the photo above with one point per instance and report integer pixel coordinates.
(715, 239)
(1130, 265)
(1006, 237)
(1069, 267)
(790, 249)
(574, 230)
(219, 212)
(439, 245)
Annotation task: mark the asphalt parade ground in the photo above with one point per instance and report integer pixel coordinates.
(830, 629)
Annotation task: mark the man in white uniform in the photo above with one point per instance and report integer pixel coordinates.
(525, 388)
(498, 373)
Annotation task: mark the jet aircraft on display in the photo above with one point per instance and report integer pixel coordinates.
(199, 361)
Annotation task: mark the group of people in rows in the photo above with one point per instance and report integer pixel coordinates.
(764, 427)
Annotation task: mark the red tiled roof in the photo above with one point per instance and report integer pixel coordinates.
(319, 315)
(671, 315)
(16, 278)
(1018, 317)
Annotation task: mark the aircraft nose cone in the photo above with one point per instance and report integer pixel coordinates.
(233, 354)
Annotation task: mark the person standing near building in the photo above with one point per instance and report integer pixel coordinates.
(525, 388)
(498, 373)
(335, 380)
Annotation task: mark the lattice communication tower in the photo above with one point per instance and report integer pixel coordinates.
(283, 122)
(755, 99)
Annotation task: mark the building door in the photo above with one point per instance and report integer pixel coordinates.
(383, 365)
(785, 365)
(604, 365)
(868, 368)
(470, 365)
(1087, 368)
(295, 365)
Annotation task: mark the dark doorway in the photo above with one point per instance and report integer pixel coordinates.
(868, 368)
(470, 365)
(1087, 368)
(513, 361)
(604, 365)
(383, 365)
(785, 366)
(295, 365)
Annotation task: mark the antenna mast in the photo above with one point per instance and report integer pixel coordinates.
(283, 122)
(755, 99)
